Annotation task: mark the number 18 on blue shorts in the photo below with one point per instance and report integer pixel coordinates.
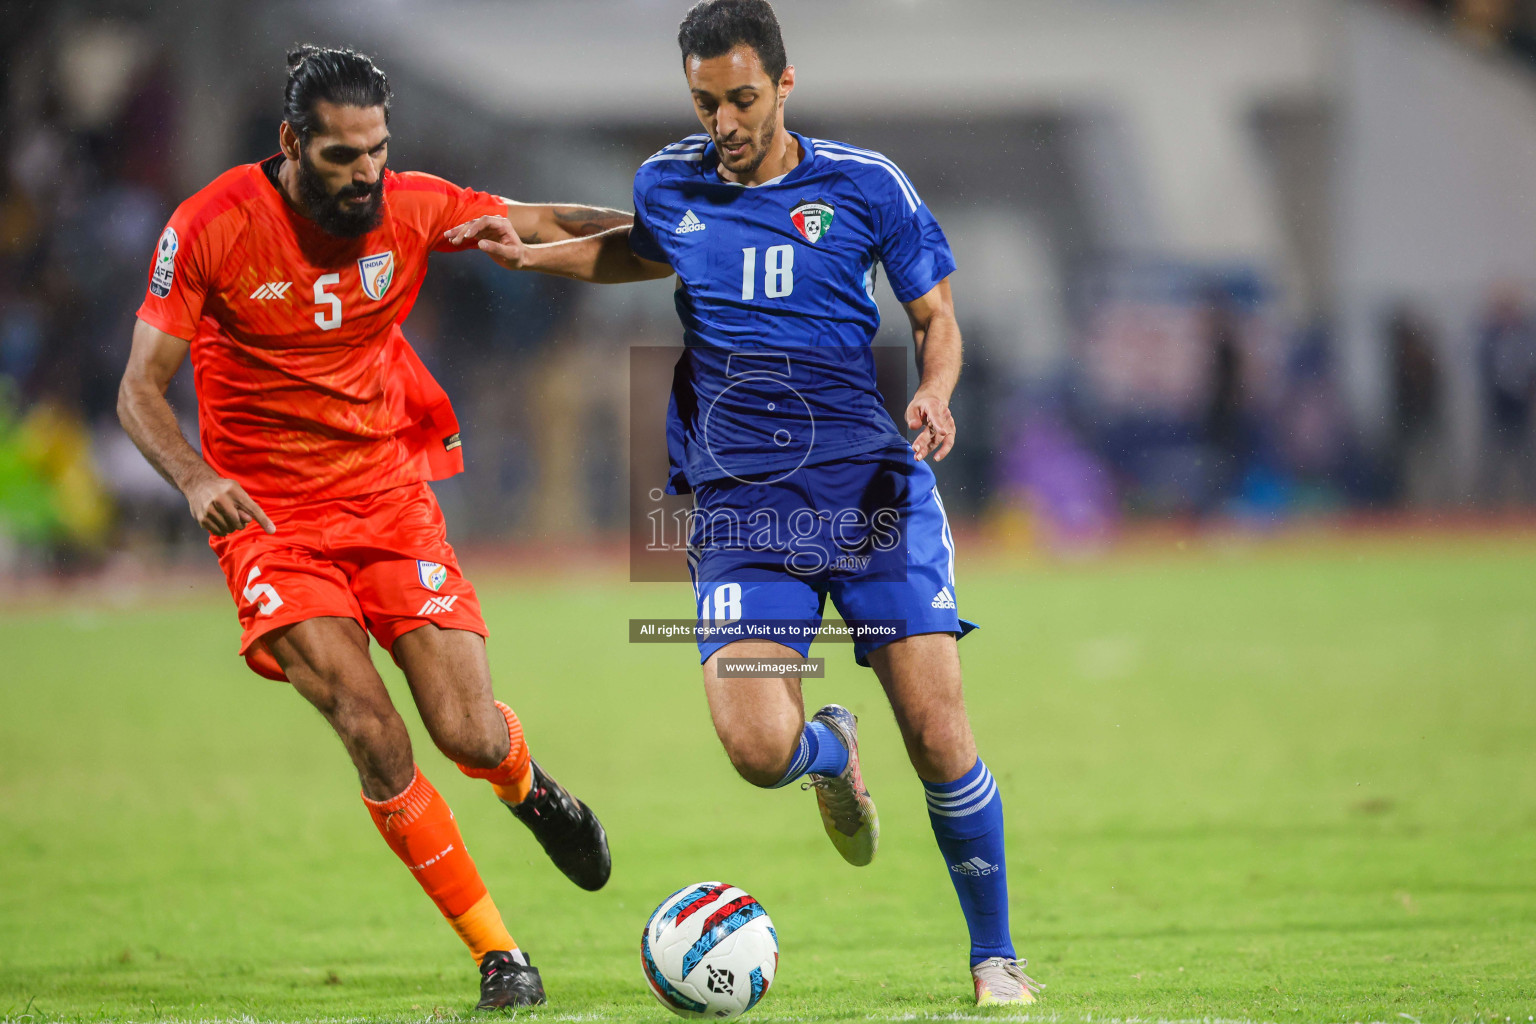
(867, 530)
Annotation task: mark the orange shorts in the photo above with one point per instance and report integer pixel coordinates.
(382, 560)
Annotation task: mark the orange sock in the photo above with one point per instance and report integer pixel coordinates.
(513, 778)
(420, 828)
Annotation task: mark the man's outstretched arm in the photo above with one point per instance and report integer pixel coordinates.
(936, 334)
(602, 258)
(537, 223)
(220, 506)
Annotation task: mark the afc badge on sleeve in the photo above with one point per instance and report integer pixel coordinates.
(165, 264)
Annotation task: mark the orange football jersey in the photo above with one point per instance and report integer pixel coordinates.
(306, 386)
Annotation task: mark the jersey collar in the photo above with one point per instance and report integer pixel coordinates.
(709, 166)
(273, 193)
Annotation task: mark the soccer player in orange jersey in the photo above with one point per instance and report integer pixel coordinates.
(287, 281)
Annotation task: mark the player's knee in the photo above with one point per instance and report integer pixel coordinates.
(370, 722)
(474, 747)
(759, 759)
(940, 748)
(761, 771)
(357, 708)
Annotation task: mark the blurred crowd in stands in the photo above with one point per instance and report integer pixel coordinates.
(1246, 417)
(1490, 24)
(82, 198)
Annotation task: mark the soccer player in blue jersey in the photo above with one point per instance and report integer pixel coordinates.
(804, 487)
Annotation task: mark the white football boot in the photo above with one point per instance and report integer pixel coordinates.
(1000, 980)
(847, 811)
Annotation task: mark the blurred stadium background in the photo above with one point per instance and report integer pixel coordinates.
(1219, 263)
(1234, 268)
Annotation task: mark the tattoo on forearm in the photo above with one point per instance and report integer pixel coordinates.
(588, 220)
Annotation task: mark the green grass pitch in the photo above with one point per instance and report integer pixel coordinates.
(1280, 785)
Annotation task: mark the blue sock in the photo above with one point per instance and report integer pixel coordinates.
(967, 818)
(820, 751)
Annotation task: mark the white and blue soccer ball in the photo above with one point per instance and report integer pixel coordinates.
(709, 951)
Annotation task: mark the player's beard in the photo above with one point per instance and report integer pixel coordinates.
(757, 153)
(330, 211)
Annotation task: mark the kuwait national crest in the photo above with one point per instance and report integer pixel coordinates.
(377, 272)
(433, 574)
(814, 219)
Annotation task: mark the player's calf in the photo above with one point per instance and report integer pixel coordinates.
(921, 677)
(379, 745)
(450, 679)
(760, 720)
(326, 660)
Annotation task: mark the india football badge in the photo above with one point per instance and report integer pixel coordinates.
(433, 574)
(813, 219)
(377, 272)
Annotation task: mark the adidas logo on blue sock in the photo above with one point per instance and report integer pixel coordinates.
(975, 867)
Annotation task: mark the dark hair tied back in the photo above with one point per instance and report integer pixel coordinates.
(343, 77)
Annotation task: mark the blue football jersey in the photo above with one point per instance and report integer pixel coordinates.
(775, 289)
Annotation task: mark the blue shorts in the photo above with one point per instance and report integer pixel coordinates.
(868, 530)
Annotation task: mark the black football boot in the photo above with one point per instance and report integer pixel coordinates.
(567, 829)
(505, 982)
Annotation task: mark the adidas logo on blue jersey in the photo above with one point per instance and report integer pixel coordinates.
(689, 223)
(943, 599)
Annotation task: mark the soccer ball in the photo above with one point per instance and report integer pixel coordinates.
(709, 950)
